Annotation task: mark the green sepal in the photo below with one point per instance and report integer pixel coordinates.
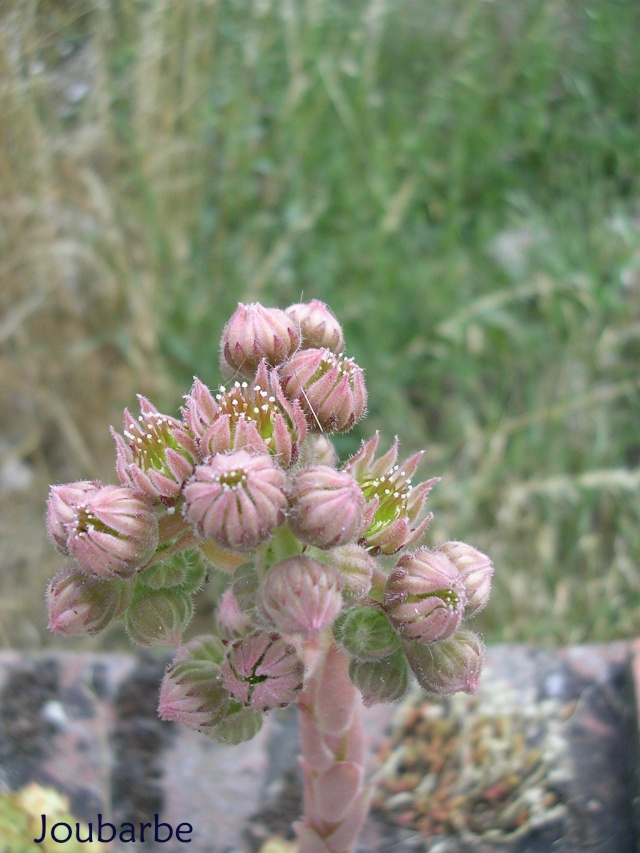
(384, 680)
(240, 724)
(366, 633)
(158, 616)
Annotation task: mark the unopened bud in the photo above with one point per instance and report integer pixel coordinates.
(356, 567)
(385, 680)
(476, 571)
(300, 595)
(449, 666)
(191, 692)
(366, 634)
(232, 622)
(327, 507)
(79, 604)
(254, 333)
(245, 587)
(263, 671)
(184, 570)
(109, 530)
(158, 616)
(330, 389)
(318, 326)
(236, 499)
(425, 597)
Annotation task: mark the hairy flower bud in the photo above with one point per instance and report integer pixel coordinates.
(61, 509)
(326, 507)
(263, 671)
(191, 692)
(236, 499)
(476, 571)
(385, 680)
(109, 530)
(300, 596)
(254, 416)
(231, 621)
(330, 389)
(156, 455)
(318, 450)
(366, 634)
(254, 333)
(393, 507)
(158, 616)
(318, 326)
(356, 566)
(425, 596)
(449, 666)
(79, 604)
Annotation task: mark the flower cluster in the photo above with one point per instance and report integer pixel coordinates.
(246, 482)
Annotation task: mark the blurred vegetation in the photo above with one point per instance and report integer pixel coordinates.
(458, 180)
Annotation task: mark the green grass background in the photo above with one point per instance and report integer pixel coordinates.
(457, 179)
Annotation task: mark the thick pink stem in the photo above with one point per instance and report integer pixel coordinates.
(332, 745)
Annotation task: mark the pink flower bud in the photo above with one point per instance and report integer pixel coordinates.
(393, 507)
(112, 531)
(318, 326)
(476, 570)
(318, 450)
(232, 622)
(61, 509)
(356, 566)
(158, 616)
(254, 333)
(300, 595)
(326, 507)
(156, 455)
(79, 604)
(191, 692)
(254, 416)
(449, 666)
(425, 597)
(236, 499)
(263, 671)
(330, 389)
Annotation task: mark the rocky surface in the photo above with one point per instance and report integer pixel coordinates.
(542, 759)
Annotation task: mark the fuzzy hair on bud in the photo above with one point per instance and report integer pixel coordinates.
(263, 671)
(300, 595)
(158, 616)
(255, 333)
(476, 570)
(236, 499)
(110, 531)
(449, 666)
(191, 692)
(318, 326)
(425, 597)
(384, 680)
(365, 633)
(155, 455)
(330, 388)
(79, 604)
(326, 507)
(356, 566)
